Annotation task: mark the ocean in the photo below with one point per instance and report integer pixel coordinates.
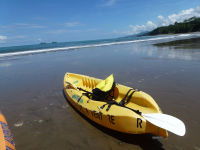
(64, 46)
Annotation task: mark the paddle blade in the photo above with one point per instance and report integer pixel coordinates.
(167, 122)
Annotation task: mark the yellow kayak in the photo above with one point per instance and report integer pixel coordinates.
(115, 117)
(6, 138)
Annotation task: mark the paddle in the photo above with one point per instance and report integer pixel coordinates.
(164, 121)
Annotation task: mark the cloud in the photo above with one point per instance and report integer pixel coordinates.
(3, 37)
(17, 37)
(107, 3)
(137, 29)
(36, 27)
(150, 25)
(3, 27)
(22, 24)
(25, 25)
(69, 31)
(72, 24)
(61, 31)
(110, 2)
(181, 16)
(162, 21)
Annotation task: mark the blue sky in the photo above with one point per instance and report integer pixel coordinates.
(25, 22)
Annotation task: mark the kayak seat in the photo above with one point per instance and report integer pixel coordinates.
(104, 89)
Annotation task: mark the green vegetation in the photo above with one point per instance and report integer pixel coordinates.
(188, 25)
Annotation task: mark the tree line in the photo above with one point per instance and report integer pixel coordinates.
(188, 25)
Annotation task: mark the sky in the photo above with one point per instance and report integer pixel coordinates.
(26, 22)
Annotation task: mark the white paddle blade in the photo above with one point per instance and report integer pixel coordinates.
(167, 122)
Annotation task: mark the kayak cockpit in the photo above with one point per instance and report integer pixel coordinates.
(137, 99)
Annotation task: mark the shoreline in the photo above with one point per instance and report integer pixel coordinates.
(198, 32)
(176, 34)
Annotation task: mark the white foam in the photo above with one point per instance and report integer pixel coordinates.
(18, 124)
(93, 45)
(185, 35)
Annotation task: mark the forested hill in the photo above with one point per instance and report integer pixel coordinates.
(188, 25)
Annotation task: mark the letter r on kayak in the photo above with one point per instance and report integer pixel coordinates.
(139, 122)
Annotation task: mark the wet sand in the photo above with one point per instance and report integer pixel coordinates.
(39, 116)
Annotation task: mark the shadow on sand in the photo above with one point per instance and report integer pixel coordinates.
(145, 141)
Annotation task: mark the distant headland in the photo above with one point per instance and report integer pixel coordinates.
(46, 43)
(187, 26)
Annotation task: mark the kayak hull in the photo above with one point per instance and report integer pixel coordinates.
(117, 118)
(6, 138)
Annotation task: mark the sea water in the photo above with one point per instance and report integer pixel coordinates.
(63, 46)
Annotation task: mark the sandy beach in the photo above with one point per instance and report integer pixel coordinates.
(39, 116)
